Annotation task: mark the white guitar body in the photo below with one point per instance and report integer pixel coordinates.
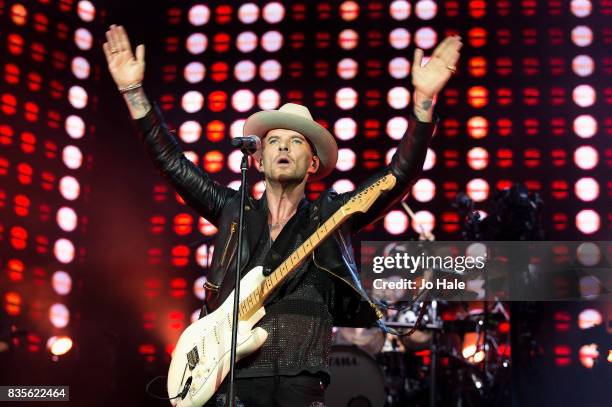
(211, 338)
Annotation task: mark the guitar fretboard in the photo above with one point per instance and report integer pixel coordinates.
(362, 201)
(255, 300)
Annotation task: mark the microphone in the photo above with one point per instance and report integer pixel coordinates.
(248, 144)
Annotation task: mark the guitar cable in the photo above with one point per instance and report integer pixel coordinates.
(182, 394)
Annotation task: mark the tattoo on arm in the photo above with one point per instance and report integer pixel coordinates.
(137, 102)
(423, 108)
(427, 104)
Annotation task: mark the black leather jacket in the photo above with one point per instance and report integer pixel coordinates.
(220, 205)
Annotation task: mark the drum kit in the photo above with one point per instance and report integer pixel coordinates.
(454, 354)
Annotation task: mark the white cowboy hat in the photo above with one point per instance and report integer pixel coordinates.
(296, 117)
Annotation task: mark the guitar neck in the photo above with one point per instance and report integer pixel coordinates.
(361, 203)
(255, 300)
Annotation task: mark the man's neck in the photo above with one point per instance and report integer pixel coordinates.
(283, 200)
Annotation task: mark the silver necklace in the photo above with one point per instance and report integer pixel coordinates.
(279, 224)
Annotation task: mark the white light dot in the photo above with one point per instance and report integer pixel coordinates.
(430, 160)
(396, 222)
(348, 39)
(59, 315)
(582, 36)
(586, 157)
(63, 249)
(192, 101)
(236, 128)
(586, 189)
(203, 253)
(588, 254)
(270, 70)
(273, 12)
(346, 159)
(191, 156)
(197, 43)
(584, 95)
(581, 8)
(268, 99)
(207, 229)
(272, 41)
(478, 189)
(194, 72)
(258, 189)
(80, 67)
(246, 41)
(424, 190)
(86, 10)
(399, 38)
(74, 126)
(234, 159)
(69, 187)
(245, 70)
(345, 128)
(389, 155)
(588, 221)
(425, 37)
(66, 218)
(346, 98)
(198, 287)
(398, 97)
(583, 65)
(83, 39)
(589, 318)
(199, 15)
(243, 100)
(343, 185)
(77, 97)
(585, 126)
(190, 131)
(248, 13)
(347, 68)
(426, 9)
(396, 127)
(72, 157)
(478, 158)
(423, 221)
(399, 67)
(195, 315)
(400, 9)
(61, 282)
(235, 185)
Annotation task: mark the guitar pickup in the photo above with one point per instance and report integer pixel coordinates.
(193, 358)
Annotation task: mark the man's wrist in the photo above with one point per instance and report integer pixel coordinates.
(137, 102)
(423, 107)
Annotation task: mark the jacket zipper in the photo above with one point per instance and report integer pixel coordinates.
(227, 244)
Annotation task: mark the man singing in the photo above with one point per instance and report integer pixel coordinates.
(291, 367)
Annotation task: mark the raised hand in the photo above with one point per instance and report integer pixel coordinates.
(428, 80)
(125, 68)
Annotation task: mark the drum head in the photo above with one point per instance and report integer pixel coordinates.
(356, 379)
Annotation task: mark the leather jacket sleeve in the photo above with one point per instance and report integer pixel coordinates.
(406, 165)
(194, 185)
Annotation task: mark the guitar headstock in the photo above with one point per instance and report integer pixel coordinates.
(366, 198)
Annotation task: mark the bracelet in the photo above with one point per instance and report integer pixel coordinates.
(130, 87)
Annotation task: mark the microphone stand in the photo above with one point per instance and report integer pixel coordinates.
(231, 402)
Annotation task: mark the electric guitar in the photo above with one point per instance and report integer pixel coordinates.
(201, 358)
